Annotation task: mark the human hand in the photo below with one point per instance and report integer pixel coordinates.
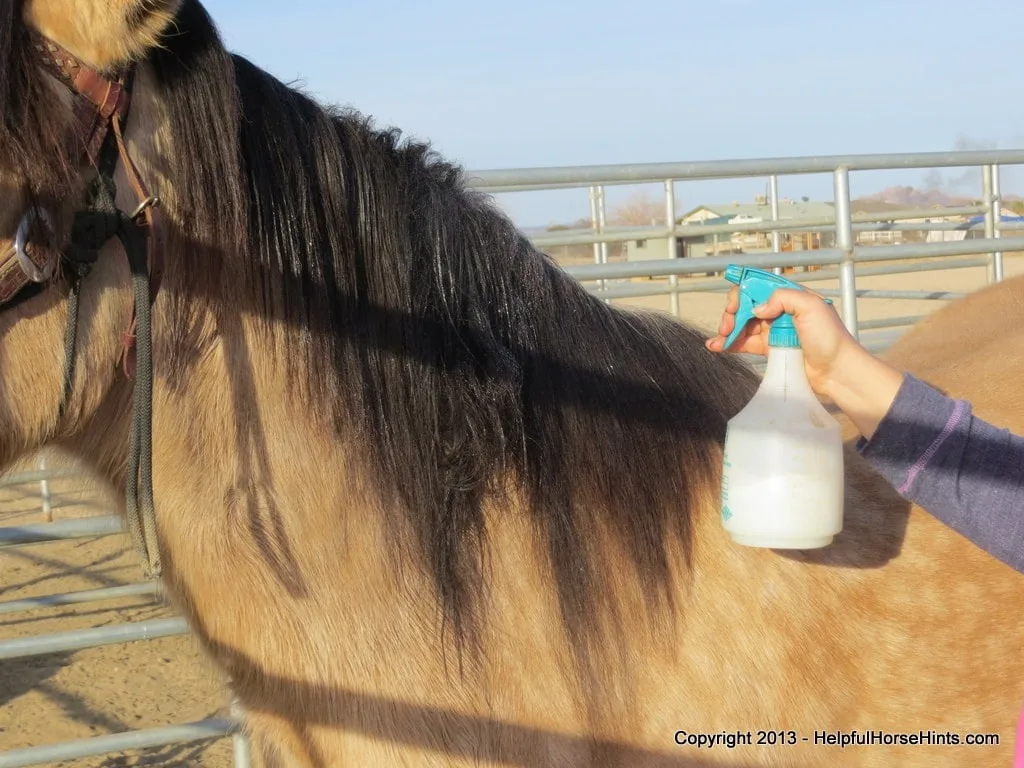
(837, 366)
(825, 342)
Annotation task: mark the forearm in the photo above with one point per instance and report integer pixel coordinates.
(965, 472)
(863, 387)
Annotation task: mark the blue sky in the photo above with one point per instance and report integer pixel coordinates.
(496, 84)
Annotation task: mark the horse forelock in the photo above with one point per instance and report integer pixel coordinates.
(468, 362)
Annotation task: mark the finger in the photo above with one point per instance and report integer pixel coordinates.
(792, 301)
(754, 328)
(732, 300)
(755, 331)
(726, 324)
(754, 344)
(752, 340)
(732, 304)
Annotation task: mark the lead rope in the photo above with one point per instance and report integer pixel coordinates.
(141, 510)
(93, 226)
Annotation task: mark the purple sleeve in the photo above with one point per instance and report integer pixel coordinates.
(963, 471)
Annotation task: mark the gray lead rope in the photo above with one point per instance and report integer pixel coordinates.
(93, 226)
(141, 510)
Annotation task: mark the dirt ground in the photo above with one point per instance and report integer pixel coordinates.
(53, 698)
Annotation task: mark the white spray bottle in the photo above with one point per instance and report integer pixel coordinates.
(782, 479)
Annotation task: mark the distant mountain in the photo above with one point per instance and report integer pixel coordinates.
(912, 197)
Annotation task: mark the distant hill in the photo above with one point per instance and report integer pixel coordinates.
(912, 197)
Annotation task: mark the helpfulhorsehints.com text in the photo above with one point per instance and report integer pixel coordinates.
(842, 739)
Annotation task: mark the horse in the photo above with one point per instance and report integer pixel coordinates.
(422, 499)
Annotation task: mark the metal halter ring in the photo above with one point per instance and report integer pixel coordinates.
(150, 202)
(21, 241)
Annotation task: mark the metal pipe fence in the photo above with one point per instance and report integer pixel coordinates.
(844, 262)
(79, 639)
(847, 254)
(567, 177)
(142, 738)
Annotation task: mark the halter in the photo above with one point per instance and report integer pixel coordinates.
(101, 106)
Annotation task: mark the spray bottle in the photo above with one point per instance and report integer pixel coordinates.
(782, 479)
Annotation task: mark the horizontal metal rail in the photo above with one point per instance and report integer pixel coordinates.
(632, 291)
(37, 476)
(906, 226)
(890, 322)
(822, 257)
(144, 738)
(76, 528)
(509, 179)
(879, 293)
(76, 598)
(868, 270)
(80, 639)
(63, 500)
(821, 224)
(861, 223)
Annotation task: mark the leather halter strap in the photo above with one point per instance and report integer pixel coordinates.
(101, 105)
(98, 98)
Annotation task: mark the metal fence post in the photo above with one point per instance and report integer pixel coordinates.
(595, 225)
(44, 489)
(986, 198)
(601, 225)
(773, 195)
(844, 242)
(993, 214)
(240, 740)
(673, 243)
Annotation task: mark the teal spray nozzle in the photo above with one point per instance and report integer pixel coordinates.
(756, 287)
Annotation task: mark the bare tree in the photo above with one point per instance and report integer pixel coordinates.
(639, 210)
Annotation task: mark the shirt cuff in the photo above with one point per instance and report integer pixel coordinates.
(917, 423)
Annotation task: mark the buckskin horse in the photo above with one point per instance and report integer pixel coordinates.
(422, 498)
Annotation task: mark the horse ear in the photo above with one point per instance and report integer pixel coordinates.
(102, 33)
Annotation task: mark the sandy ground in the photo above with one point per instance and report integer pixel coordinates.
(52, 698)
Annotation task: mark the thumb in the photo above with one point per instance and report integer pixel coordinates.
(792, 301)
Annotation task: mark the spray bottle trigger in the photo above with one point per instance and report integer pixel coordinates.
(755, 288)
(744, 314)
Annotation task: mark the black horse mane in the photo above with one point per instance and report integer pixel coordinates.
(464, 357)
